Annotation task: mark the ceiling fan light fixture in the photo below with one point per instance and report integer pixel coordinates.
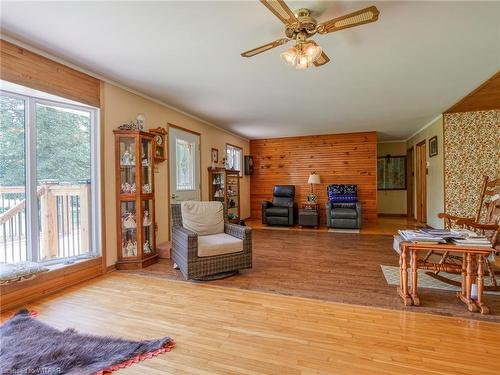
(312, 51)
(303, 61)
(289, 57)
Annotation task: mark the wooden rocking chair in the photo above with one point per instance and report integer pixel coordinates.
(489, 200)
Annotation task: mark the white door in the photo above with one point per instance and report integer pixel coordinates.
(184, 159)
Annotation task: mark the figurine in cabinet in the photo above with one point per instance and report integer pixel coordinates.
(129, 221)
(147, 247)
(130, 248)
(146, 221)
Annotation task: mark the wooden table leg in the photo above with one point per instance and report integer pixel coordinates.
(403, 278)
(480, 285)
(414, 278)
(466, 298)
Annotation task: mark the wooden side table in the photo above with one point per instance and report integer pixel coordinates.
(310, 206)
(309, 215)
(472, 268)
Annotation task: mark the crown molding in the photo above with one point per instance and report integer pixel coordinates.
(43, 53)
(425, 126)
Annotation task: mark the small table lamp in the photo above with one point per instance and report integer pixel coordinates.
(313, 179)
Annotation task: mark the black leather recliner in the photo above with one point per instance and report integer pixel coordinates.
(281, 211)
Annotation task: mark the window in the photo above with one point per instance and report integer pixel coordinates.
(234, 158)
(185, 165)
(48, 178)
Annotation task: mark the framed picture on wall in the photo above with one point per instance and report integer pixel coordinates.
(391, 173)
(433, 146)
(215, 155)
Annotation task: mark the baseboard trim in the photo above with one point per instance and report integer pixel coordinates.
(111, 268)
(391, 215)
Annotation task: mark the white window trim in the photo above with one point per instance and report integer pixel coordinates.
(30, 166)
(240, 149)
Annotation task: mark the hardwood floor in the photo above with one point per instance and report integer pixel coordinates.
(388, 225)
(232, 331)
(331, 266)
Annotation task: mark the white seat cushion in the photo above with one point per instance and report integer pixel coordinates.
(218, 244)
(203, 218)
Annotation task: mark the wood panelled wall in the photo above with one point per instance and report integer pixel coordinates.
(23, 67)
(337, 158)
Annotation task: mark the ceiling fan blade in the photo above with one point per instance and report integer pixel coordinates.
(322, 59)
(280, 10)
(264, 48)
(360, 17)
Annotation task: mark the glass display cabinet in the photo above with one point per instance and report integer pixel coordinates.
(224, 186)
(135, 199)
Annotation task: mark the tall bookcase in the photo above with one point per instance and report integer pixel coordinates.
(135, 199)
(224, 186)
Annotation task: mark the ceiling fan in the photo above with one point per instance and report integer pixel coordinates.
(300, 25)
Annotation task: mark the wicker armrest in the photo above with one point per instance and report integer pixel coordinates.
(238, 231)
(185, 241)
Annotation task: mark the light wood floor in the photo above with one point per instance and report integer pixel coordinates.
(230, 331)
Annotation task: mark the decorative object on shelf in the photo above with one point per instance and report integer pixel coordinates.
(129, 221)
(224, 162)
(313, 180)
(135, 199)
(147, 247)
(433, 146)
(146, 220)
(232, 203)
(132, 125)
(159, 144)
(391, 173)
(140, 121)
(127, 159)
(130, 248)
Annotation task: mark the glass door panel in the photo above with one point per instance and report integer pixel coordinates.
(63, 177)
(218, 187)
(146, 164)
(127, 166)
(148, 226)
(129, 229)
(12, 180)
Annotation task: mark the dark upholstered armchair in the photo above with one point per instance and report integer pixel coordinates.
(281, 211)
(201, 256)
(343, 209)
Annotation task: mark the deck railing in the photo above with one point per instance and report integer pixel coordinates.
(63, 221)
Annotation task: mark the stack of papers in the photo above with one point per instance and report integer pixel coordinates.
(472, 241)
(419, 236)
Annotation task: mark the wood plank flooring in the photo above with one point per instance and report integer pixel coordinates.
(331, 266)
(232, 331)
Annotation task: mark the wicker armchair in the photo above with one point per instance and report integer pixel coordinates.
(185, 250)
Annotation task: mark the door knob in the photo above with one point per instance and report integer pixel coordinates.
(173, 196)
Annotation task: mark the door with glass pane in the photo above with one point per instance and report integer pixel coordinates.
(184, 155)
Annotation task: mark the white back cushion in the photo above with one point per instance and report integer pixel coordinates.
(203, 218)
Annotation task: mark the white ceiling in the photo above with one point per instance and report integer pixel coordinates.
(392, 76)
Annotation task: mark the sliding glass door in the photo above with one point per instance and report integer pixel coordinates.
(48, 180)
(13, 111)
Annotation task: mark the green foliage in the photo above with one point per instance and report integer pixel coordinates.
(63, 143)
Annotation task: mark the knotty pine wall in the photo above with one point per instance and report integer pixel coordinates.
(338, 158)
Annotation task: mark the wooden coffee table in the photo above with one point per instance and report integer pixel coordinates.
(472, 268)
